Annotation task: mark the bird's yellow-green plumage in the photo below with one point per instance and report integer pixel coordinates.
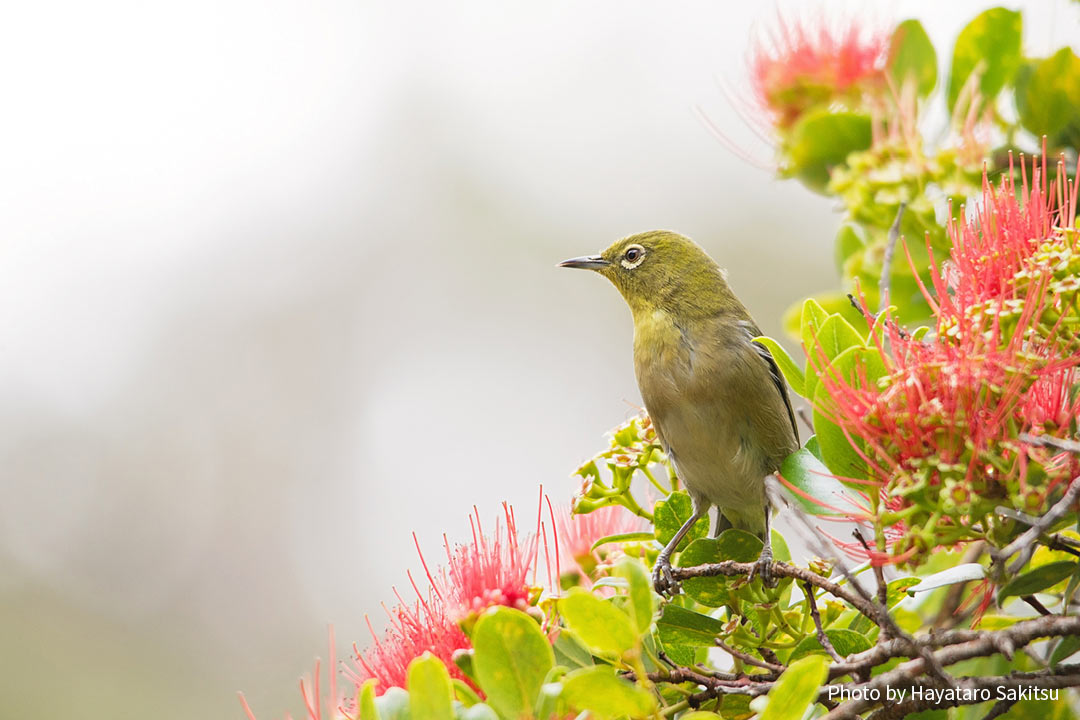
(717, 400)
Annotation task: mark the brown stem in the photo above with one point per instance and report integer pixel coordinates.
(1025, 543)
(821, 636)
(731, 568)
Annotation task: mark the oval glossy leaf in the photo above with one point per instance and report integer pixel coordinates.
(365, 702)
(856, 365)
(640, 592)
(709, 591)
(1037, 579)
(912, 57)
(1066, 648)
(844, 641)
(679, 626)
(605, 695)
(602, 627)
(569, 651)
(849, 240)
(821, 139)
(812, 318)
(1049, 103)
(797, 689)
(816, 491)
(837, 335)
(511, 659)
(958, 574)
(670, 514)
(794, 375)
(431, 696)
(989, 45)
(897, 590)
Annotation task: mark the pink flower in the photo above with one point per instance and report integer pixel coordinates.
(578, 532)
(492, 570)
(1016, 261)
(805, 65)
(414, 629)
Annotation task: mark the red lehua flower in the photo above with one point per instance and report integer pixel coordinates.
(578, 532)
(1015, 251)
(422, 627)
(490, 571)
(938, 430)
(804, 65)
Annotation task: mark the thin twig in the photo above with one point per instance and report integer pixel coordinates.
(1025, 543)
(1034, 602)
(821, 636)
(731, 568)
(887, 259)
(984, 644)
(774, 670)
(804, 415)
(1063, 444)
(1000, 708)
(879, 573)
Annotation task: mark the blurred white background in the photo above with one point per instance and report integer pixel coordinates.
(278, 287)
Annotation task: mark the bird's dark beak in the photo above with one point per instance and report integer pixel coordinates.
(588, 262)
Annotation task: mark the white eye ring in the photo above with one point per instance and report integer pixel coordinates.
(632, 257)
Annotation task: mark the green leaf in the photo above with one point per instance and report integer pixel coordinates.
(365, 702)
(856, 364)
(570, 652)
(956, 574)
(732, 544)
(989, 45)
(837, 335)
(1066, 648)
(431, 697)
(821, 139)
(602, 627)
(911, 55)
(640, 593)
(812, 318)
(599, 691)
(797, 689)
(640, 536)
(679, 626)
(1049, 101)
(512, 657)
(896, 590)
(1038, 579)
(849, 240)
(791, 371)
(844, 641)
(819, 488)
(550, 703)
(670, 514)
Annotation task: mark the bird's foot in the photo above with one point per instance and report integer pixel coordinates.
(763, 568)
(663, 581)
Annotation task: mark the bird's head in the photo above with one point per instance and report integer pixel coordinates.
(661, 270)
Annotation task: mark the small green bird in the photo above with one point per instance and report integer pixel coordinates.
(717, 399)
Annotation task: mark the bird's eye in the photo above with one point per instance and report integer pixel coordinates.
(633, 256)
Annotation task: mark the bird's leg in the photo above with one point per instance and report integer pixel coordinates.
(763, 566)
(664, 583)
(722, 524)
